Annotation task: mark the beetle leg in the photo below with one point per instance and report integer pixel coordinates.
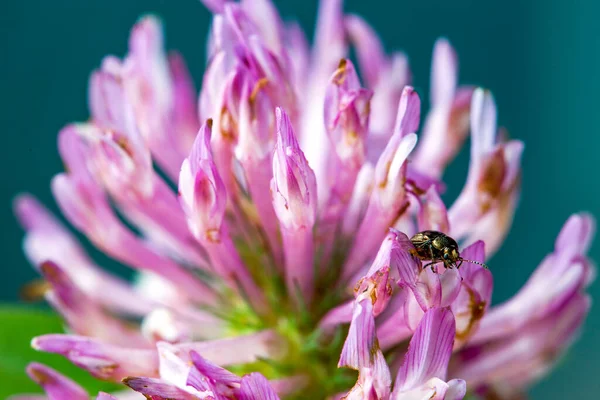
(433, 261)
(432, 265)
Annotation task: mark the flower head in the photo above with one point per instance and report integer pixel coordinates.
(283, 265)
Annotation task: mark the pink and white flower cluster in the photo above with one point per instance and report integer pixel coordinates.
(285, 251)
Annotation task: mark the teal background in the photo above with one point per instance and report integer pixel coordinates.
(540, 58)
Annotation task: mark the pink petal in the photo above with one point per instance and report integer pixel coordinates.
(149, 88)
(212, 371)
(181, 324)
(436, 389)
(215, 6)
(256, 387)
(202, 191)
(267, 19)
(46, 239)
(338, 315)
(433, 214)
(254, 151)
(483, 127)
(369, 49)
(429, 350)
(298, 53)
(359, 200)
(86, 206)
(330, 44)
(391, 258)
(207, 377)
(236, 350)
(329, 48)
(142, 196)
(105, 396)
(108, 104)
(185, 113)
(559, 276)
(347, 115)
(450, 283)
(102, 360)
(388, 197)
(294, 192)
(476, 277)
(389, 165)
(56, 386)
(83, 315)
(154, 388)
(409, 112)
(457, 390)
(398, 326)
(361, 346)
(175, 360)
(289, 385)
(387, 95)
(577, 233)
(427, 290)
(294, 183)
(491, 191)
(446, 125)
(444, 73)
(503, 363)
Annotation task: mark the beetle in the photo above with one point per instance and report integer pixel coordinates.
(437, 246)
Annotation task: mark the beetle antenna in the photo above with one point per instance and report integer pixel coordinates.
(474, 262)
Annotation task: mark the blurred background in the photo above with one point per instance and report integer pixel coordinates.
(540, 58)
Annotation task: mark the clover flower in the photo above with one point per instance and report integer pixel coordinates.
(283, 262)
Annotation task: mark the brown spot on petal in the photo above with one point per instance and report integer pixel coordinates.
(412, 186)
(492, 177)
(492, 394)
(549, 355)
(458, 122)
(123, 144)
(383, 184)
(34, 290)
(339, 75)
(213, 235)
(351, 137)
(373, 351)
(374, 294)
(48, 269)
(40, 377)
(261, 84)
(400, 213)
(358, 285)
(476, 310)
(106, 370)
(227, 125)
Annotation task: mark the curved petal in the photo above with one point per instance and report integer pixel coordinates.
(429, 351)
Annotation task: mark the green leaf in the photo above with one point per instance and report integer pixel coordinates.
(18, 324)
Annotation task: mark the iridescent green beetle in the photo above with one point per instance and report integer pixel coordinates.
(436, 246)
